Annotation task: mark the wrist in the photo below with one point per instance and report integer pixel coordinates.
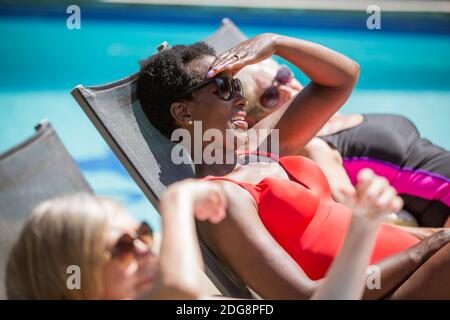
(277, 41)
(365, 225)
(179, 189)
(417, 254)
(177, 197)
(423, 250)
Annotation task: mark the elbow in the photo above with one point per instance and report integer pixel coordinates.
(350, 75)
(347, 77)
(354, 72)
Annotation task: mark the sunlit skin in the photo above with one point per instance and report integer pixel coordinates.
(209, 201)
(328, 159)
(264, 79)
(122, 281)
(214, 113)
(287, 91)
(241, 239)
(175, 273)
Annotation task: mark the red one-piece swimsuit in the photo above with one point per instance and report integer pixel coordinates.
(303, 218)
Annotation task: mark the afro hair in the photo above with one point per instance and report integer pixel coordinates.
(164, 76)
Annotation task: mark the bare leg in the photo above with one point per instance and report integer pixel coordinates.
(430, 281)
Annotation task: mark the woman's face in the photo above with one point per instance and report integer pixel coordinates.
(126, 280)
(209, 109)
(264, 79)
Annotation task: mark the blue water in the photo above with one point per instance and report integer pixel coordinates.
(41, 60)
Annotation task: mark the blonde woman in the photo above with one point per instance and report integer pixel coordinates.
(112, 250)
(115, 257)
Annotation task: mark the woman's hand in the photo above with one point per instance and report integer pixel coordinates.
(372, 199)
(207, 198)
(248, 52)
(431, 244)
(210, 201)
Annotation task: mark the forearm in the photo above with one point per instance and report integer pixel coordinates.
(395, 269)
(180, 256)
(419, 232)
(346, 278)
(323, 66)
(343, 279)
(333, 77)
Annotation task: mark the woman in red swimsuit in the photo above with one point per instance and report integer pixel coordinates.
(302, 216)
(283, 228)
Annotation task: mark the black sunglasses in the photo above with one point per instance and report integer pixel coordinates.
(226, 86)
(271, 95)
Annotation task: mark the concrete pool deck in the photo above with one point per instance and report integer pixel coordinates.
(417, 6)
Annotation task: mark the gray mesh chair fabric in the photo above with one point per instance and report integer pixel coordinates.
(145, 153)
(31, 172)
(226, 37)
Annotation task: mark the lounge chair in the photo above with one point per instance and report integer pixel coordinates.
(116, 113)
(35, 170)
(226, 37)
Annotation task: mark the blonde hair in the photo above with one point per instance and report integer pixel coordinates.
(248, 76)
(64, 231)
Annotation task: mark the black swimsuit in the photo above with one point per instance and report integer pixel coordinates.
(393, 148)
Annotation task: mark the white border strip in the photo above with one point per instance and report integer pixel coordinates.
(430, 6)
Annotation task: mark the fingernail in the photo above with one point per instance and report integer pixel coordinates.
(210, 74)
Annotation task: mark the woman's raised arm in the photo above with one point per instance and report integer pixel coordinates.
(180, 263)
(332, 76)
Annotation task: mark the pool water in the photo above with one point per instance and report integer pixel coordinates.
(41, 60)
